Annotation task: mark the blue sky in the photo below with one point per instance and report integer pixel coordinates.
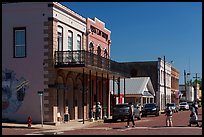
(144, 31)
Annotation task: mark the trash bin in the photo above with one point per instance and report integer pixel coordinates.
(66, 117)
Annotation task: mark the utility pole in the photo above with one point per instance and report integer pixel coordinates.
(83, 91)
(118, 82)
(185, 81)
(164, 82)
(40, 93)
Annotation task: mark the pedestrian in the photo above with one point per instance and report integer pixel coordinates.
(98, 110)
(195, 108)
(29, 121)
(131, 115)
(193, 116)
(169, 116)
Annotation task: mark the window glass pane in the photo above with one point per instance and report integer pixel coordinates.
(20, 37)
(70, 37)
(78, 42)
(60, 38)
(20, 51)
(59, 41)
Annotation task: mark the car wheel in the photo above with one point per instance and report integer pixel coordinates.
(144, 115)
(114, 119)
(139, 118)
(158, 114)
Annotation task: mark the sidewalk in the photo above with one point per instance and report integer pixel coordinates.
(55, 129)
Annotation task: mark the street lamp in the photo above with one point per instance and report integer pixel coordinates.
(40, 93)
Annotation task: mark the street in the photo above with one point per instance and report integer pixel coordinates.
(149, 125)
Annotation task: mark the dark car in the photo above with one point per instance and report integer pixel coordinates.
(121, 111)
(150, 109)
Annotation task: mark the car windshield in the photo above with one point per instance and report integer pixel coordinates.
(149, 105)
(121, 106)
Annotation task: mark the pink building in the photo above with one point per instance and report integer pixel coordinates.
(48, 47)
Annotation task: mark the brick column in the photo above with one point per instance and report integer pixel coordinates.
(50, 44)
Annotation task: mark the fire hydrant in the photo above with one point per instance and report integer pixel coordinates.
(29, 121)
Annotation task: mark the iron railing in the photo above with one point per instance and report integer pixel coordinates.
(84, 58)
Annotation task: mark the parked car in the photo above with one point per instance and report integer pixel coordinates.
(150, 109)
(137, 111)
(121, 111)
(183, 106)
(190, 103)
(174, 107)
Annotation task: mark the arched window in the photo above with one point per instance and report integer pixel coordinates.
(91, 47)
(99, 56)
(105, 53)
(70, 40)
(59, 38)
(99, 51)
(78, 42)
(91, 50)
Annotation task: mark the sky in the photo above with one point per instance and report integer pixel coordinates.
(144, 31)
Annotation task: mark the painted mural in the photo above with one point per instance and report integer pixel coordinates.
(13, 91)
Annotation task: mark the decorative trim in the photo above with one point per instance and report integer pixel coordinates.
(70, 13)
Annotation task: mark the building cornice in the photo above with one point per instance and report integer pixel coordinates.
(68, 11)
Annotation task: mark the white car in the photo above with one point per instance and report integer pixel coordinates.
(183, 106)
(173, 107)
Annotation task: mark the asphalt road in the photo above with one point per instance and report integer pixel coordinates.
(149, 125)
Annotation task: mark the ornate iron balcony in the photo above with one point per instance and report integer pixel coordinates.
(82, 58)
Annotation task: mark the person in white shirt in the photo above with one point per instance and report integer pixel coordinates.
(131, 115)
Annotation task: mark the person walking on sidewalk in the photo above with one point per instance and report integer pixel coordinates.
(193, 116)
(98, 110)
(168, 113)
(131, 115)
